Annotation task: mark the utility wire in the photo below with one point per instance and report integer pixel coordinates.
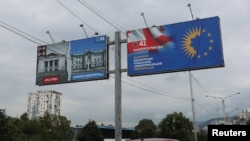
(155, 89)
(161, 92)
(91, 8)
(12, 29)
(24, 35)
(76, 16)
(200, 105)
(199, 84)
(20, 35)
(146, 88)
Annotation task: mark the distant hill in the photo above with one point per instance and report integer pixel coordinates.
(202, 124)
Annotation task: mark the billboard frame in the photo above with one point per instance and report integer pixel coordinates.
(73, 61)
(149, 48)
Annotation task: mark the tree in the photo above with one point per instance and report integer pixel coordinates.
(176, 126)
(61, 126)
(54, 126)
(90, 132)
(31, 128)
(15, 125)
(6, 132)
(46, 128)
(24, 117)
(145, 129)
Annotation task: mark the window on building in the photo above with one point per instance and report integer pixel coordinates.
(51, 65)
(45, 66)
(56, 65)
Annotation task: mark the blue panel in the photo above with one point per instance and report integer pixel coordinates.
(175, 47)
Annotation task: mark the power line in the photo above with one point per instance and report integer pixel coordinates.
(20, 34)
(24, 35)
(14, 30)
(150, 89)
(199, 83)
(205, 90)
(76, 16)
(155, 89)
(91, 8)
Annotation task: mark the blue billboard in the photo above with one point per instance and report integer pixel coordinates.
(73, 61)
(175, 47)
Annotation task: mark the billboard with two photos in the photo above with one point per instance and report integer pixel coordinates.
(73, 61)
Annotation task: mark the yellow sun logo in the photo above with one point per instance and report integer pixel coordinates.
(188, 49)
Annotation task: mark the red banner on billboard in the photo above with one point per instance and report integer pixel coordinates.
(51, 79)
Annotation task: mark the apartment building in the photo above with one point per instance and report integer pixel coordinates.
(44, 101)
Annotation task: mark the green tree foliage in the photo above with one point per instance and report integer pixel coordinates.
(90, 132)
(7, 132)
(176, 126)
(53, 127)
(47, 128)
(30, 128)
(145, 129)
(15, 125)
(24, 117)
(57, 128)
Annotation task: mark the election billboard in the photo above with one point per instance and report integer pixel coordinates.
(183, 46)
(72, 61)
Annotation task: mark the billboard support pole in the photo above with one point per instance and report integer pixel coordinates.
(118, 112)
(193, 110)
(191, 90)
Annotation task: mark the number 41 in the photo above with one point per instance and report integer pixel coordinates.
(142, 43)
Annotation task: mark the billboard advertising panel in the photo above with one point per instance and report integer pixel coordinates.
(73, 61)
(175, 47)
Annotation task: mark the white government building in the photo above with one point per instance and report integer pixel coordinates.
(44, 101)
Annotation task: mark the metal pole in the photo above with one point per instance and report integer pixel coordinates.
(192, 103)
(142, 14)
(224, 112)
(118, 102)
(191, 90)
(50, 37)
(84, 30)
(189, 5)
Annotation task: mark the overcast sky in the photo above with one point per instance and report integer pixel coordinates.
(143, 97)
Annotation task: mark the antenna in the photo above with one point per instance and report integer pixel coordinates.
(81, 25)
(50, 36)
(189, 5)
(142, 14)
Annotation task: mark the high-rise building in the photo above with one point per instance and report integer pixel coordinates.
(44, 101)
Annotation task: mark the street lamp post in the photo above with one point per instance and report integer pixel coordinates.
(223, 103)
